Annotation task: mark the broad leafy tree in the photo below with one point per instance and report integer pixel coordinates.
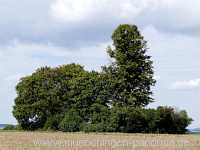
(69, 98)
(44, 94)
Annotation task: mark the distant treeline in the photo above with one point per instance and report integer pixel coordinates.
(69, 98)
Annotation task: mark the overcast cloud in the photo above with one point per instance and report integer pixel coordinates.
(36, 33)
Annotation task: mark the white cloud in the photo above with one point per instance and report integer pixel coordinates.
(168, 15)
(79, 10)
(72, 10)
(186, 84)
(65, 22)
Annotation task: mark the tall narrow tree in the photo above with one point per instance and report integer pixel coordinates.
(132, 69)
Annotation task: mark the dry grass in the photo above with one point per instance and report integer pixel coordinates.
(92, 141)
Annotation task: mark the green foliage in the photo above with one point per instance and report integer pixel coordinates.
(99, 119)
(132, 69)
(134, 120)
(44, 94)
(69, 98)
(152, 119)
(172, 121)
(52, 122)
(71, 121)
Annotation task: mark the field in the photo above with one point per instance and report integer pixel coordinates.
(98, 141)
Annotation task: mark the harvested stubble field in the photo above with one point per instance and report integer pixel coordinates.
(96, 141)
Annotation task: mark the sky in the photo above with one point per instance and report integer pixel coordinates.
(37, 33)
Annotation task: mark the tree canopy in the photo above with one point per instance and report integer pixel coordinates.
(133, 67)
(70, 98)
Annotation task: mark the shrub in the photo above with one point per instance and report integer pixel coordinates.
(172, 121)
(52, 123)
(71, 121)
(129, 119)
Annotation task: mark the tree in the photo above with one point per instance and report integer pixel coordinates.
(172, 121)
(69, 98)
(45, 94)
(132, 69)
(130, 120)
(86, 90)
(71, 121)
(44, 97)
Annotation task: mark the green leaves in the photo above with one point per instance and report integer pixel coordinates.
(49, 92)
(134, 70)
(71, 121)
(44, 94)
(69, 98)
